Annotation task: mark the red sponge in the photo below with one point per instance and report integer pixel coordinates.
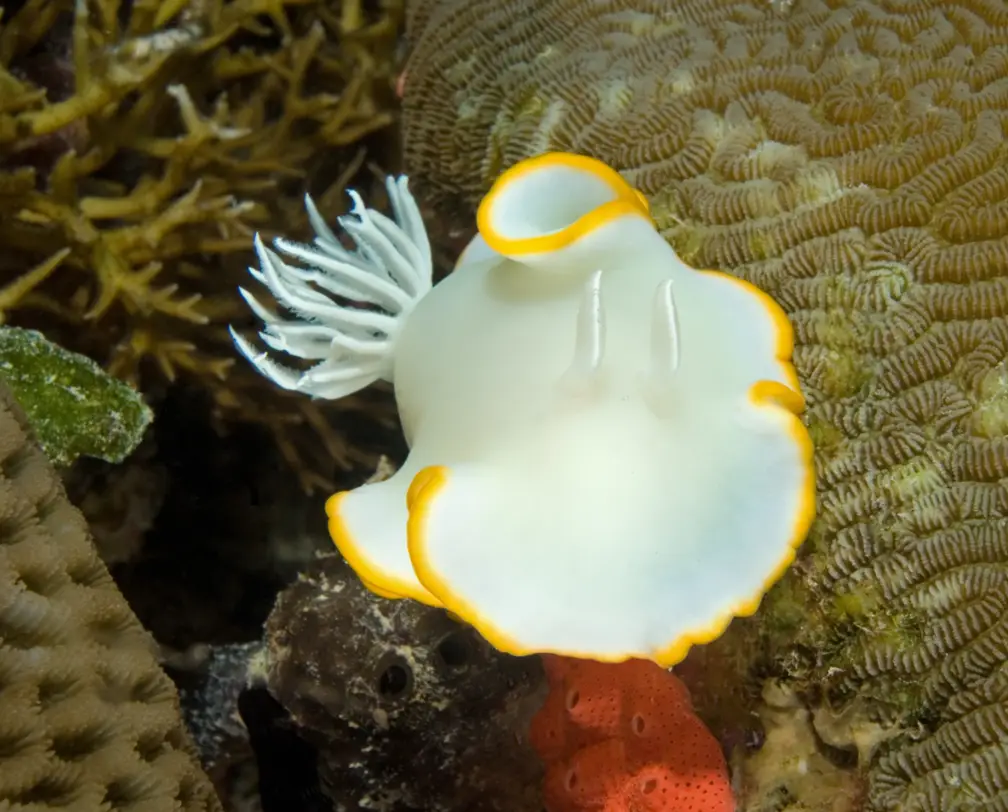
(623, 737)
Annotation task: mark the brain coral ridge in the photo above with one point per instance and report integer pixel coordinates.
(850, 159)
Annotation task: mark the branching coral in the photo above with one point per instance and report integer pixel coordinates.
(849, 158)
(143, 145)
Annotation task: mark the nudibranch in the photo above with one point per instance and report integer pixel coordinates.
(607, 458)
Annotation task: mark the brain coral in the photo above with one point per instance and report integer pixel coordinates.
(849, 158)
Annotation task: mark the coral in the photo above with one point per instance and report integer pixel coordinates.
(88, 720)
(622, 737)
(144, 143)
(849, 158)
(74, 408)
(791, 772)
(407, 708)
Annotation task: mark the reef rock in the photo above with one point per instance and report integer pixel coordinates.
(408, 709)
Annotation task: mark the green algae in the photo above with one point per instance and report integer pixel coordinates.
(75, 408)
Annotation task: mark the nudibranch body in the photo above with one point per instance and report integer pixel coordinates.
(606, 458)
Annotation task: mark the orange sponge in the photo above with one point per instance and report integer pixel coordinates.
(623, 737)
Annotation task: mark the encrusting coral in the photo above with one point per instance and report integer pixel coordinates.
(848, 157)
(622, 737)
(88, 720)
(143, 143)
(75, 409)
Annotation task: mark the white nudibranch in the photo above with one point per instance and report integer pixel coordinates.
(606, 454)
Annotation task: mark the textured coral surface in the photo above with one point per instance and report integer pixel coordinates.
(88, 720)
(849, 158)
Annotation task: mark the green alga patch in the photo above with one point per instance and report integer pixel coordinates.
(74, 407)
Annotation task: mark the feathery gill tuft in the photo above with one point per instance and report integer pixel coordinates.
(348, 304)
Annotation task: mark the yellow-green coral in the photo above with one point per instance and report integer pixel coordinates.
(73, 406)
(850, 158)
(144, 143)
